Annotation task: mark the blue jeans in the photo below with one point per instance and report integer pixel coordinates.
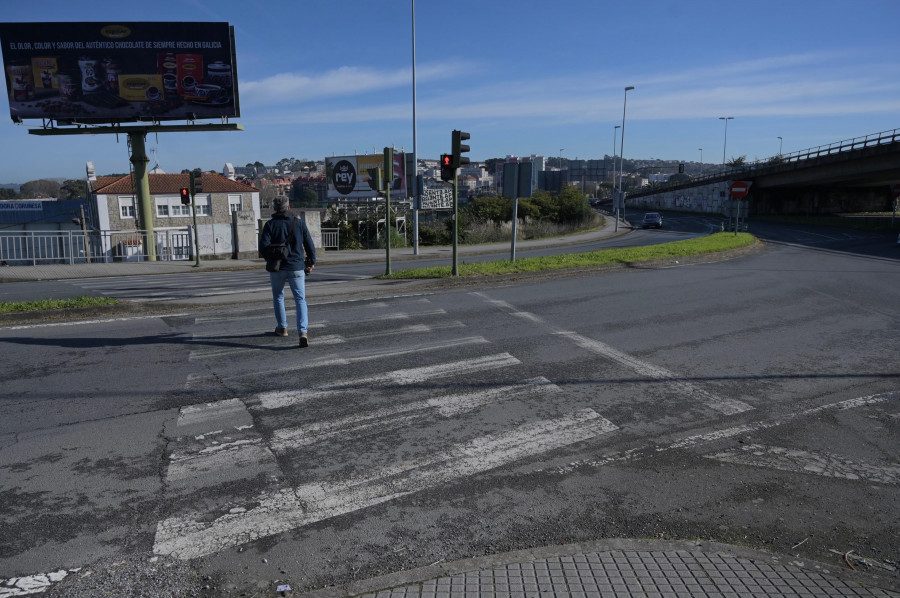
(297, 281)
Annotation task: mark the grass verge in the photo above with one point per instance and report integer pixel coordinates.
(709, 244)
(44, 304)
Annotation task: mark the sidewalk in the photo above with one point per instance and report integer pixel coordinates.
(627, 568)
(70, 271)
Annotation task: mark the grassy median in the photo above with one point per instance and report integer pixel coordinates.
(715, 243)
(43, 304)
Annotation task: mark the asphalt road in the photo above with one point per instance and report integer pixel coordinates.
(233, 284)
(753, 402)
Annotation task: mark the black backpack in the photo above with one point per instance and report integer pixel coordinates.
(275, 253)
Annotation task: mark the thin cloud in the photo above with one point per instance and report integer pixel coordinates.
(345, 81)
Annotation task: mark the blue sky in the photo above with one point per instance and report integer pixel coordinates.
(320, 78)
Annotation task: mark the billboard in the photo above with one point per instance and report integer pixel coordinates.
(348, 176)
(119, 72)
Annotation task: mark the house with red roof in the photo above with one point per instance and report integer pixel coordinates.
(116, 212)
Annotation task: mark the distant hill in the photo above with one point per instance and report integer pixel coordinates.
(13, 186)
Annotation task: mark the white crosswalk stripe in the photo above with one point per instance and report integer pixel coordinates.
(405, 414)
(285, 398)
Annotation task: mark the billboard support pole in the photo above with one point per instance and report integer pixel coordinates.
(140, 160)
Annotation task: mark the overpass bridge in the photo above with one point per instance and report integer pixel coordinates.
(854, 175)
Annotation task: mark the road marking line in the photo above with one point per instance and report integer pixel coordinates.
(219, 458)
(32, 584)
(330, 339)
(695, 440)
(89, 322)
(722, 405)
(187, 537)
(191, 415)
(798, 461)
(394, 417)
(194, 381)
(285, 398)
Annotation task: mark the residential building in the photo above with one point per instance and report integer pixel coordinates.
(114, 209)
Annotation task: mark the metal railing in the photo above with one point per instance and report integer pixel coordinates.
(331, 238)
(838, 147)
(77, 247)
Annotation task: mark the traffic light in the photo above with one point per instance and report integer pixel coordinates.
(196, 184)
(681, 168)
(459, 148)
(185, 196)
(448, 171)
(375, 180)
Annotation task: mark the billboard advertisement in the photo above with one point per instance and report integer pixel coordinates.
(119, 72)
(348, 176)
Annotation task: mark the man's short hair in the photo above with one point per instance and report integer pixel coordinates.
(281, 203)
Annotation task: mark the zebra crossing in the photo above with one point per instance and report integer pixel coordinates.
(163, 287)
(263, 435)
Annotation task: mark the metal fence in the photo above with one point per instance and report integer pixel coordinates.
(331, 238)
(35, 248)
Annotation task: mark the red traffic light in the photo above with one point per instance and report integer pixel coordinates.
(185, 196)
(448, 172)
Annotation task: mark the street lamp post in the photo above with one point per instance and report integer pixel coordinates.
(780, 145)
(701, 160)
(726, 119)
(415, 190)
(622, 158)
(615, 135)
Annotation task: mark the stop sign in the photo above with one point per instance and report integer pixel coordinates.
(740, 189)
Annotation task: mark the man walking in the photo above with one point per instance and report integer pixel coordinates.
(293, 268)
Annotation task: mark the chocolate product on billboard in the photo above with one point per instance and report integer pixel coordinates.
(112, 74)
(219, 73)
(45, 69)
(68, 86)
(20, 75)
(167, 66)
(190, 73)
(141, 88)
(90, 75)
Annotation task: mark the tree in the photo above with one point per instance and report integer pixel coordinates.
(73, 189)
(39, 188)
(738, 161)
(309, 198)
(8, 193)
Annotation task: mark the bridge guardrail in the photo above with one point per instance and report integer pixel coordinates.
(846, 145)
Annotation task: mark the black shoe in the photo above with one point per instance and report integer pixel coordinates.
(281, 331)
(304, 341)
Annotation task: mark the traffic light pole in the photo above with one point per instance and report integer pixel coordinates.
(194, 215)
(388, 179)
(455, 269)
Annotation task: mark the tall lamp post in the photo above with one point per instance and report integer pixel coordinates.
(780, 145)
(726, 119)
(701, 160)
(615, 135)
(622, 158)
(417, 200)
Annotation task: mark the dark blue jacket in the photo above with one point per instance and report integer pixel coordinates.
(276, 231)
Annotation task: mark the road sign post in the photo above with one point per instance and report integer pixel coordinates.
(739, 190)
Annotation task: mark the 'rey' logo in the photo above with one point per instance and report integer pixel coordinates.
(344, 177)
